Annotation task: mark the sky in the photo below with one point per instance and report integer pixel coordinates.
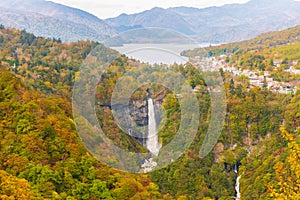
(112, 8)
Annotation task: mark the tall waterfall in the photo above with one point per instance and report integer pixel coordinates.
(152, 142)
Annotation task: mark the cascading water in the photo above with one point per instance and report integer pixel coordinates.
(152, 143)
(237, 188)
(235, 169)
(237, 184)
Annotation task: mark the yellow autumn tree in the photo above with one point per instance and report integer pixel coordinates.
(12, 187)
(288, 172)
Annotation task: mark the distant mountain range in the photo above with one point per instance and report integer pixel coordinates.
(233, 22)
(227, 23)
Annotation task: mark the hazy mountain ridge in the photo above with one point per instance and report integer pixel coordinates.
(49, 19)
(228, 23)
(156, 17)
(233, 22)
(48, 26)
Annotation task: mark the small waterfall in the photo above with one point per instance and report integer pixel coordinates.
(237, 183)
(152, 143)
(237, 188)
(235, 169)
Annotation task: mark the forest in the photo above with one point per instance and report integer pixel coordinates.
(43, 157)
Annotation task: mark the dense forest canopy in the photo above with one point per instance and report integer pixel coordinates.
(42, 156)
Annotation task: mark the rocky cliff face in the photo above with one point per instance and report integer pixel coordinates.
(133, 118)
(138, 112)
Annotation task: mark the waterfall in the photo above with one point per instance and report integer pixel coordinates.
(237, 183)
(235, 169)
(152, 143)
(237, 188)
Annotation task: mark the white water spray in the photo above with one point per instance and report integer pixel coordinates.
(237, 184)
(237, 188)
(152, 142)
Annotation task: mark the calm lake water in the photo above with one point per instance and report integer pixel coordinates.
(158, 53)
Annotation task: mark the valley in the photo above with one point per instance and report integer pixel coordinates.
(146, 106)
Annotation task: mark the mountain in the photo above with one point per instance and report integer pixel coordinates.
(233, 22)
(156, 17)
(270, 168)
(48, 19)
(263, 42)
(47, 158)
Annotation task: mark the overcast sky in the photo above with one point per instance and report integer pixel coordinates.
(112, 8)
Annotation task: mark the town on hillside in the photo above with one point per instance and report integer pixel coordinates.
(256, 78)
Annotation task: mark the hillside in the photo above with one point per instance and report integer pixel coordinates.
(275, 52)
(271, 168)
(266, 40)
(48, 19)
(42, 156)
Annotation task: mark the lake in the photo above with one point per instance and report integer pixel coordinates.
(158, 53)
